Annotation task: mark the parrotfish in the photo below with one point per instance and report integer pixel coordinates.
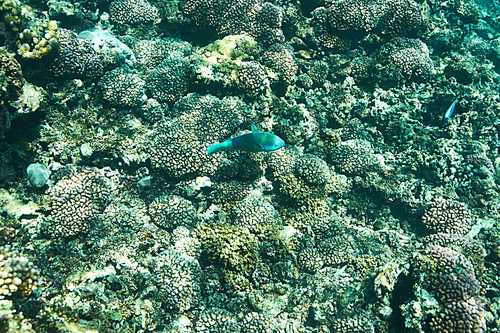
(254, 142)
(450, 110)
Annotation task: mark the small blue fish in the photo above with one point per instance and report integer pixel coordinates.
(450, 110)
(252, 142)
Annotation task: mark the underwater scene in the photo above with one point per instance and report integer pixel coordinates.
(250, 166)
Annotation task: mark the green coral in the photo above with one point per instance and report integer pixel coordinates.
(224, 62)
(229, 247)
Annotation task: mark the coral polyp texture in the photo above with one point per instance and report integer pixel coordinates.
(169, 212)
(453, 282)
(178, 278)
(75, 201)
(448, 216)
(217, 320)
(169, 81)
(132, 12)
(312, 169)
(406, 59)
(354, 157)
(17, 273)
(76, 57)
(262, 20)
(281, 59)
(340, 23)
(254, 213)
(179, 148)
(121, 88)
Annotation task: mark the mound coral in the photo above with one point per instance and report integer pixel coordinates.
(132, 11)
(122, 88)
(75, 201)
(448, 216)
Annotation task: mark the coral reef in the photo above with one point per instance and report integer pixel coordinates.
(178, 279)
(151, 53)
(375, 216)
(230, 247)
(340, 23)
(217, 320)
(11, 84)
(406, 59)
(454, 283)
(281, 59)
(254, 213)
(199, 121)
(38, 174)
(262, 20)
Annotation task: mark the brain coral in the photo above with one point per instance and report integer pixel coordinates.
(132, 11)
(75, 201)
(122, 88)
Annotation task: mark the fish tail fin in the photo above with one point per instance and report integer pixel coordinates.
(217, 147)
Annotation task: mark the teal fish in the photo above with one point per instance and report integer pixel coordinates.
(254, 141)
(450, 110)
